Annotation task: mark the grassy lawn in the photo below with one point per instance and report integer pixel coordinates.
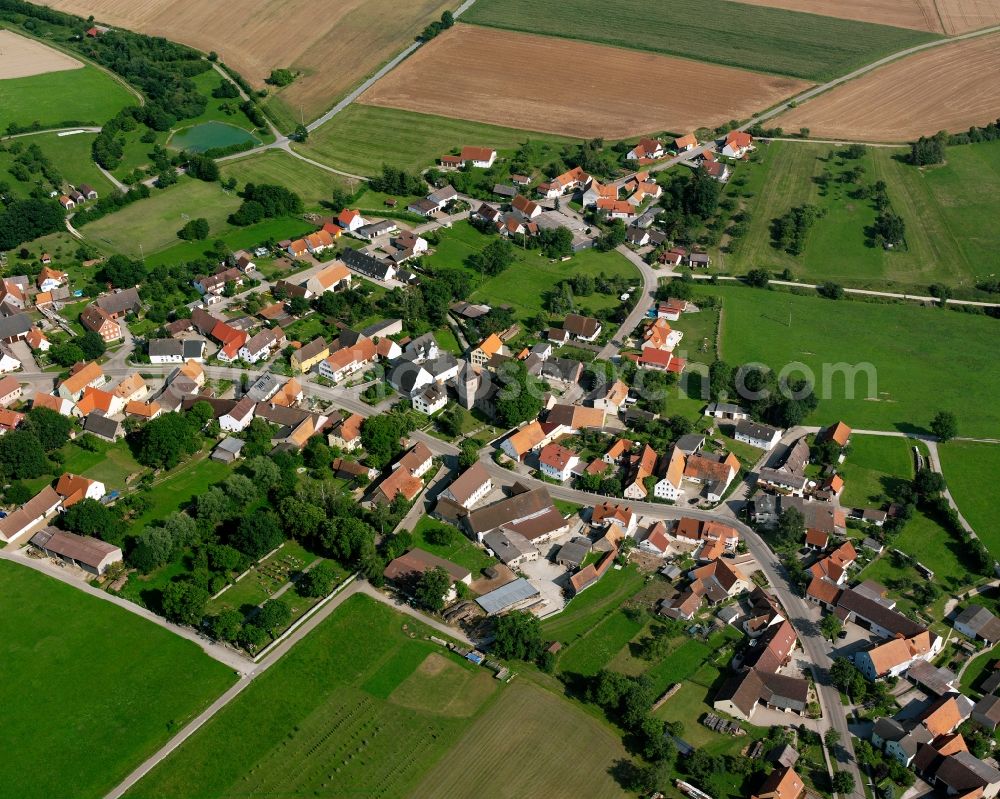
(750, 37)
(913, 352)
(273, 166)
(520, 743)
(123, 701)
(873, 465)
(925, 540)
(327, 719)
(446, 340)
(965, 466)
(236, 238)
(980, 666)
(176, 489)
(947, 211)
(591, 653)
(461, 550)
(74, 96)
(150, 225)
(70, 155)
(585, 611)
(524, 284)
(264, 579)
(112, 464)
(362, 138)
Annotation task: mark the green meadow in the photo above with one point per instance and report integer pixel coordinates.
(754, 37)
(921, 359)
(92, 682)
(85, 96)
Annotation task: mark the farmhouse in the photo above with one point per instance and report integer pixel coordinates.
(645, 150)
(36, 510)
(368, 265)
(480, 157)
(737, 143)
(99, 321)
(511, 596)
(469, 487)
(757, 435)
(511, 548)
(14, 328)
(574, 179)
(528, 512)
(261, 345)
(373, 230)
(90, 554)
(120, 303)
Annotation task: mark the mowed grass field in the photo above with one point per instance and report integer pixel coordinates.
(274, 166)
(948, 211)
(524, 284)
(363, 706)
(69, 154)
(971, 470)
(529, 743)
(152, 224)
(76, 96)
(91, 682)
(363, 137)
(924, 359)
(805, 46)
(873, 466)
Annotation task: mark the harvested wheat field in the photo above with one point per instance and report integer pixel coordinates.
(573, 88)
(944, 88)
(916, 14)
(21, 57)
(335, 44)
(959, 16)
(937, 16)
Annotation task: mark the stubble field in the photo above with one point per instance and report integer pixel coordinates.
(22, 58)
(335, 45)
(944, 88)
(915, 14)
(570, 88)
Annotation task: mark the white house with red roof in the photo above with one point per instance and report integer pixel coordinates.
(557, 462)
(351, 220)
(646, 149)
(737, 144)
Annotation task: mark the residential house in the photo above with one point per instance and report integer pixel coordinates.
(838, 433)
(346, 361)
(658, 334)
(49, 279)
(686, 142)
(37, 340)
(511, 548)
(132, 388)
(974, 621)
(737, 144)
(35, 511)
(368, 265)
(597, 191)
(10, 391)
(470, 487)
(336, 277)
(261, 345)
(713, 470)
(782, 783)
(757, 435)
(346, 434)
(583, 328)
(646, 150)
(103, 427)
(480, 157)
(60, 405)
(99, 321)
(671, 474)
(351, 220)
(216, 284)
(121, 302)
(319, 241)
(658, 360)
(527, 438)
(615, 209)
(657, 541)
(430, 399)
(557, 462)
(607, 513)
(239, 416)
(305, 358)
(74, 488)
(640, 467)
(572, 180)
(405, 478)
(81, 376)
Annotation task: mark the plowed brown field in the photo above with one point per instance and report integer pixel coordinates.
(917, 14)
(336, 44)
(21, 57)
(569, 87)
(945, 88)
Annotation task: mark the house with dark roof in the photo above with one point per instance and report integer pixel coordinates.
(975, 621)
